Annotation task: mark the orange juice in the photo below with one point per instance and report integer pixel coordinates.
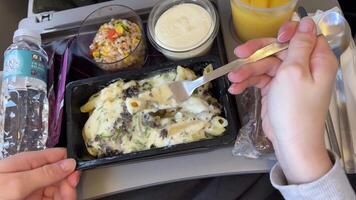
(260, 18)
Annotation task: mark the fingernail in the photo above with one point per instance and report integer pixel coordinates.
(229, 76)
(75, 181)
(230, 90)
(67, 164)
(282, 36)
(236, 51)
(306, 25)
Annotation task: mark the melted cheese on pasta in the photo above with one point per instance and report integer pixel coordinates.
(138, 115)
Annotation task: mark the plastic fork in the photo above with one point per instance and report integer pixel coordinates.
(182, 90)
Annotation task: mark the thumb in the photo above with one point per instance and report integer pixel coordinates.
(47, 174)
(302, 44)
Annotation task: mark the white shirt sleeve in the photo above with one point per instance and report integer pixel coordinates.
(334, 185)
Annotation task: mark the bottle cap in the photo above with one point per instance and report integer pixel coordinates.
(34, 34)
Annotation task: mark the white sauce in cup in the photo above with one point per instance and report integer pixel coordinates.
(184, 27)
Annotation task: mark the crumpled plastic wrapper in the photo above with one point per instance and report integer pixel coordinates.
(251, 141)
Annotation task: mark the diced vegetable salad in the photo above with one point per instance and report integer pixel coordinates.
(115, 41)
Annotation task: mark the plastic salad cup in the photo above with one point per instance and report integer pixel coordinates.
(118, 44)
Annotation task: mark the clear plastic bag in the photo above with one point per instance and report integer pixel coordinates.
(251, 142)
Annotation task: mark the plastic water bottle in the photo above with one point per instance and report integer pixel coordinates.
(24, 103)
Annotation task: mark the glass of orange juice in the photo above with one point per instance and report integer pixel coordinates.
(260, 18)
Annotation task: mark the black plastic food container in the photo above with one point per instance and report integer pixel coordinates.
(78, 92)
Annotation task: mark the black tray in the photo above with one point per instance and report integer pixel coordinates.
(78, 92)
(81, 68)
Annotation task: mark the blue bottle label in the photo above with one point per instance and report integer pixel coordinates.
(25, 63)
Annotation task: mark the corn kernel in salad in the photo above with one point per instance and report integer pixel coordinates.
(115, 40)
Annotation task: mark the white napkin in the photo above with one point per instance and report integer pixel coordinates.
(348, 65)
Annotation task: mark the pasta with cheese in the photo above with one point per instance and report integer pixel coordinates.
(133, 116)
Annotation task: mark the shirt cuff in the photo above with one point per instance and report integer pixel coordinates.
(333, 185)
